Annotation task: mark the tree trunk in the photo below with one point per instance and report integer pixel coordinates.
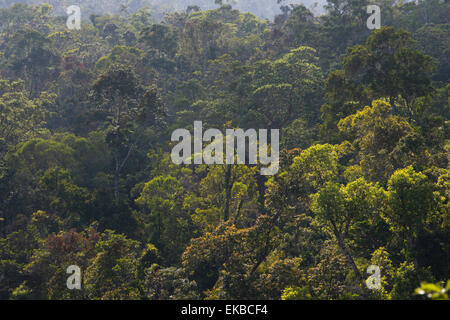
(116, 176)
(349, 258)
(261, 180)
(392, 103)
(226, 206)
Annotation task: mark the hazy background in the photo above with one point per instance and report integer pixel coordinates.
(261, 8)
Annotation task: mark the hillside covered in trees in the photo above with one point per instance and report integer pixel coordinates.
(87, 179)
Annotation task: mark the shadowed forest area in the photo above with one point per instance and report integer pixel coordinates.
(86, 176)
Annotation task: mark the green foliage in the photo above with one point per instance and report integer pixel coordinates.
(86, 176)
(434, 291)
(409, 210)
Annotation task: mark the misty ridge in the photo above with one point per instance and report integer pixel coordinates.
(262, 8)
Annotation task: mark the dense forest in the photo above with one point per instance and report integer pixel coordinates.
(86, 176)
